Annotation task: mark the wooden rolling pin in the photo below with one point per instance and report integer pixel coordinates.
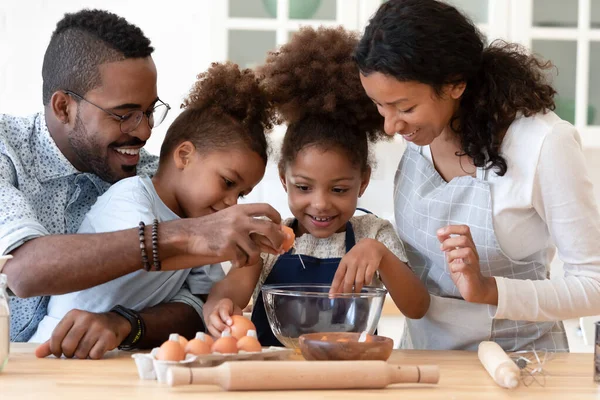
(499, 365)
(284, 375)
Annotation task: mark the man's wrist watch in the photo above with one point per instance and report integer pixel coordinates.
(138, 328)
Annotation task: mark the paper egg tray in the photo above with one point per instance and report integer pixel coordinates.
(149, 368)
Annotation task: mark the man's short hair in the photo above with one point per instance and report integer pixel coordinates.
(82, 42)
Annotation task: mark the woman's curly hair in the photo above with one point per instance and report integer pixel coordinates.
(429, 41)
(315, 86)
(225, 107)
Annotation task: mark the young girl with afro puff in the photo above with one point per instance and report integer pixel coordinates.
(324, 168)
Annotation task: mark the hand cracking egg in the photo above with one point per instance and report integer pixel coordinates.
(289, 239)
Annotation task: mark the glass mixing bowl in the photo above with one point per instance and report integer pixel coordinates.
(293, 310)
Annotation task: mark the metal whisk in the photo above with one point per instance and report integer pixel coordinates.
(531, 363)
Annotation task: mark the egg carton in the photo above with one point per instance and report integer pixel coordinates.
(149, 368)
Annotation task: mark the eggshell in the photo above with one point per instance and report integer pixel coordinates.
(249, 343)
(204, 337)
(240, 327)
(183, 342)
(289, 239)
(197, 347)
(170, 350)
(226, 344)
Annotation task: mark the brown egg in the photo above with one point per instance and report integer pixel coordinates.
(205, 338)
(249, 343)
(183, 341)
(197, 347)
(226, 344)
(289, 239)
(240, 327)
(171, 350)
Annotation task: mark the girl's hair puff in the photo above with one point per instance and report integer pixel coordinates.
(315, 86)
(225, 107)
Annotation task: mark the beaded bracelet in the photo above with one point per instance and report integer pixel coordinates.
(145, 262)
(155, 259)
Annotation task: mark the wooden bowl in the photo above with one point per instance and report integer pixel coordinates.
(344, 346)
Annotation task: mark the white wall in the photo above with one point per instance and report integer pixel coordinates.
(179, 31)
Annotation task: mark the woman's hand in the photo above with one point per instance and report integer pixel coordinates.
(463, 263)
(358, 266)
(219, 318)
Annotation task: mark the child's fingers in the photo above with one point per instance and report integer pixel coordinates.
(225, 311)
(217, 322)
(349, 278)
(214, 332)
(358, 286)
(359, 279)
(369, 274)
(338, 278)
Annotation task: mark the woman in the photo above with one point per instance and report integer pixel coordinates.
(491, 181)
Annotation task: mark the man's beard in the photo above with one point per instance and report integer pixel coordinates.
(89, 152)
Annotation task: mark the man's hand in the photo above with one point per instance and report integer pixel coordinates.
(236, 234)
(83, 334)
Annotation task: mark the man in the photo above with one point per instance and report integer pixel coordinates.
(100, 104)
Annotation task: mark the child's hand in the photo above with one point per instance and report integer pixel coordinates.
(358, 266)
(219, 318)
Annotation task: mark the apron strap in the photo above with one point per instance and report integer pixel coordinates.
(350, 239)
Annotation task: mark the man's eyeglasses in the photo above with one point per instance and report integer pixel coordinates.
(131, 120)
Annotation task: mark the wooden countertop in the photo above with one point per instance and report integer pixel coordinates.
(115, 377)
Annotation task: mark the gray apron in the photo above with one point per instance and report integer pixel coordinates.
(425, 202)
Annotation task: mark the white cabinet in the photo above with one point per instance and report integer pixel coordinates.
(566, 32)
(245, 30)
